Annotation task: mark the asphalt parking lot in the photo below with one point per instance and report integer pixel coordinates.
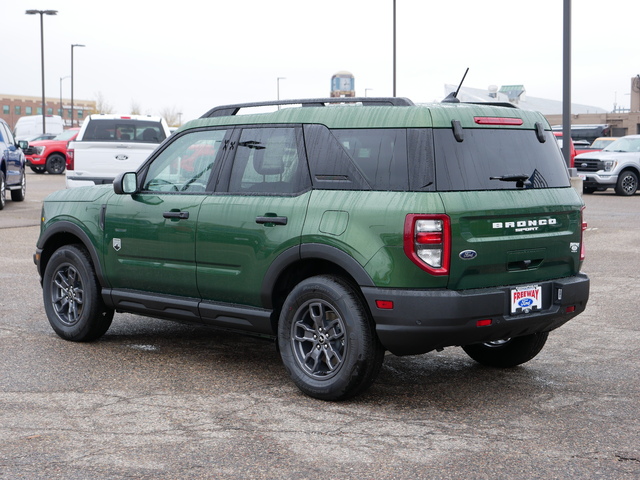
(161, 400)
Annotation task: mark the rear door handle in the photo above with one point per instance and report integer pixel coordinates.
(176, 215)
(272, 220)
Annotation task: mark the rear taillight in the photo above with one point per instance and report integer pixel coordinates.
(583, 227)
(70, 159)
(427, 242)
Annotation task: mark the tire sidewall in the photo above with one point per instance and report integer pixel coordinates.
(3, 191)
(345, 380)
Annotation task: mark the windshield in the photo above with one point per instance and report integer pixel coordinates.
(66, 135)
(625, 144)
(602, 143)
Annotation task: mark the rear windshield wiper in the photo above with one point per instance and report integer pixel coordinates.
(520, 179)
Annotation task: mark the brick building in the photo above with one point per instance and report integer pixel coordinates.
(12, 107)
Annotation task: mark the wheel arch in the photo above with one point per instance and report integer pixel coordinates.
(301, 262)
(66, 233)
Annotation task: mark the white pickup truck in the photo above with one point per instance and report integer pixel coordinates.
(111, 144)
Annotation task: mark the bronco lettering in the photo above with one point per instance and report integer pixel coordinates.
(525, 225)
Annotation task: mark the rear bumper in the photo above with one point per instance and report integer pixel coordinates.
(424, 320)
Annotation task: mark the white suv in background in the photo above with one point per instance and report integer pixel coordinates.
(111, 144)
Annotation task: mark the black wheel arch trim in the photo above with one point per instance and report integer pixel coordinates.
(67, 227)
(311, 251)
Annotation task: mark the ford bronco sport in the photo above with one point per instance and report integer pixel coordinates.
(342, 231)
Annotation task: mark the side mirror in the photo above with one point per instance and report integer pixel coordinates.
(126, 183)
(23, 144)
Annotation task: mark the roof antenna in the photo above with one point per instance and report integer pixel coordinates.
(453, 96)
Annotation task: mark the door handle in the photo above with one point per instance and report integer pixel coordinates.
(271, 221)
(176, 215)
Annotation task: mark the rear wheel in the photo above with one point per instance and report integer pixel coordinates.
(56, 164)
(72, 298)
(3, 191)
(18, 195)
(509, 352)
(327, 340)
(627, 183)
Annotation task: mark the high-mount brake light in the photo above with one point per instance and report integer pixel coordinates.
(427, 242)
(498, 121)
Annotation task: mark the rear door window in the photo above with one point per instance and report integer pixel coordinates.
(482, 154)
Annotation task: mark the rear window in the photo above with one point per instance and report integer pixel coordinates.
(485, 155)
(124, 130)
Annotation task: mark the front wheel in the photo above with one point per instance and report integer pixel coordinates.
(72, 298)
(56, 164)
(327, 340)
(627, 183)
(507, 353)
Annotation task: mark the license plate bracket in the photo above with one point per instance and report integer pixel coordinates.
(526, 299)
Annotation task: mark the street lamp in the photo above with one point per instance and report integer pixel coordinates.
(74, 45)
(278, 93)
(61, 108)
(41, 13)
(394, 48)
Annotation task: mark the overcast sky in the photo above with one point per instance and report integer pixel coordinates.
(192, 55)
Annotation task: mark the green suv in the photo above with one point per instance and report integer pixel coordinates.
(341, 230)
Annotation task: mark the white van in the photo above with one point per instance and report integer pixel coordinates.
(32, 125)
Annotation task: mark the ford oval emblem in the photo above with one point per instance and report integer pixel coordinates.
(121, 157)
(584, 165)
(468, 254)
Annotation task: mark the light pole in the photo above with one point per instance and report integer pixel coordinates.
(74, 45)
(41, 13)
(61, 108)
(394, 48)
(280, 78)
(278, 92)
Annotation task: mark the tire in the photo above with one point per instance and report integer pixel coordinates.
(37, 169)
(18, 195)
(3, 191)
(507, 353)
(327, 340)
(56, 164)
(627, 183)
(72, 298)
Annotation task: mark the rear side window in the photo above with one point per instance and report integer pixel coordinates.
(380, 154)
(124, 130)
(482, 154)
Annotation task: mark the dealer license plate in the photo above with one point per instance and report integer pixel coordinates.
(526, 299)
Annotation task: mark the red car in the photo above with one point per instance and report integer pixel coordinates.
(573, 149)
(50, 155)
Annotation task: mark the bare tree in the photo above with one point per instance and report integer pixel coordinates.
(172, 116)
(102, 106)
(135, 108)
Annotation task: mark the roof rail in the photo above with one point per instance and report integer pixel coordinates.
(229, 110)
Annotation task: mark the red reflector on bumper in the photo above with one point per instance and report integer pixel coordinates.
(570, 309)
(484, 323)
(384, 304)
